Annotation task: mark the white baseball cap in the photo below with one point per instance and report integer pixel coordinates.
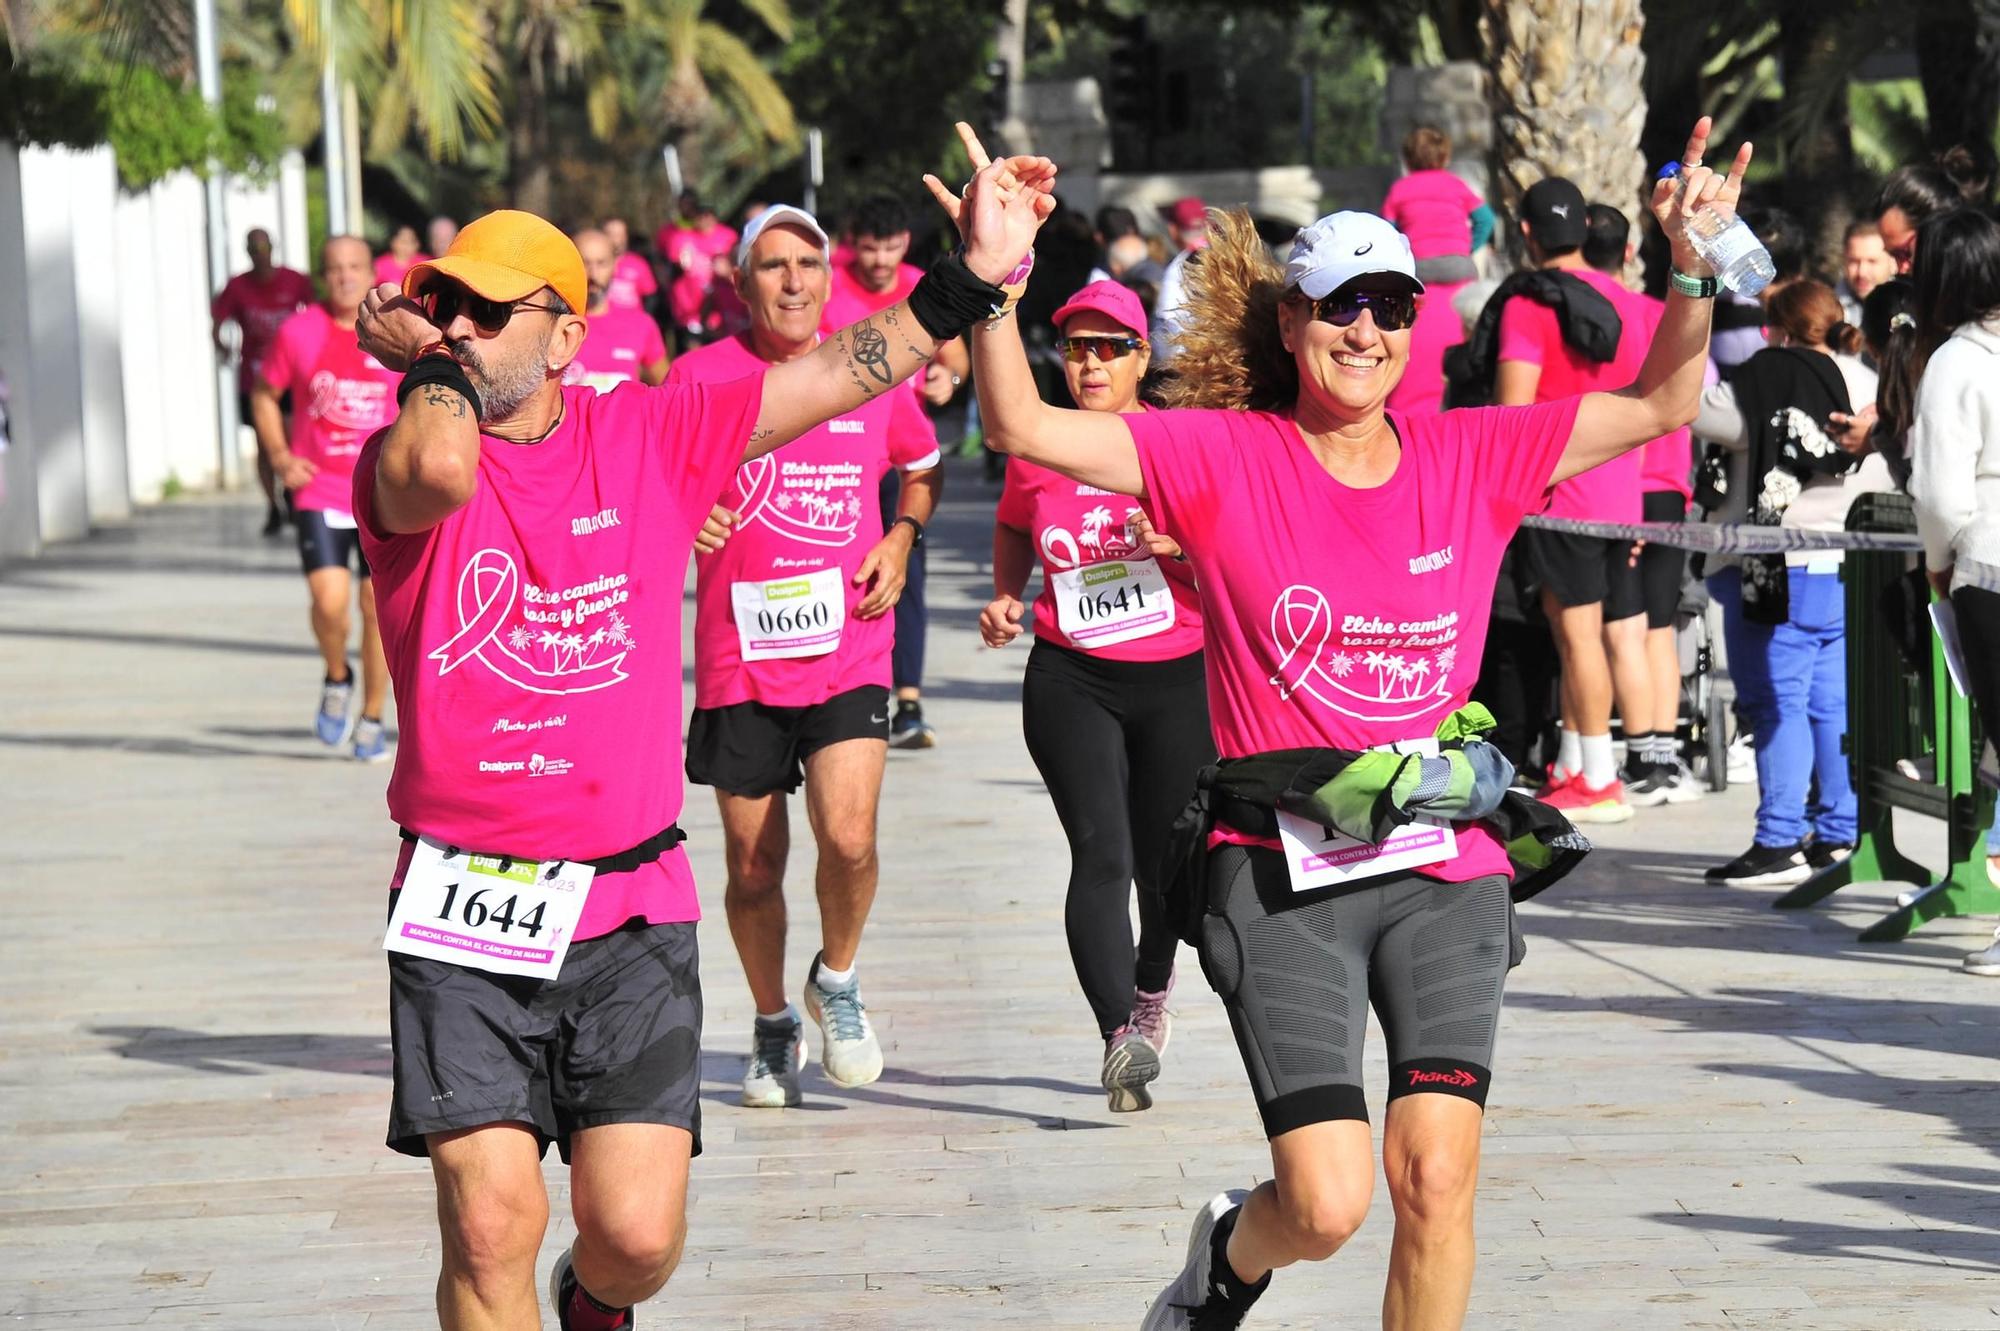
(1343, 246)
(778, 215)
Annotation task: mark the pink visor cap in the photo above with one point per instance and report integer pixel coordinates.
(1113, 299)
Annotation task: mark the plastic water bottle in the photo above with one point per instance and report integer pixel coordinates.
(1726, 242)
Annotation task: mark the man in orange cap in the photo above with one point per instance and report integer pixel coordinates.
(529, 543)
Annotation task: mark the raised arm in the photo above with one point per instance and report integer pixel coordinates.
(429, 463)
(1668, 390)
(1005, 206)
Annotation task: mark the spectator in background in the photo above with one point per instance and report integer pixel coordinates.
(1739, 320)
(1187, 234)
(1912, 195)
(632, 281)
(1127, 255)
(1784, 616)
(1865, 263)
(1955, 451)
(258, 302)
(441, 232)
(402, 254)
(620, 343)
(689, 246)
(1446, 222)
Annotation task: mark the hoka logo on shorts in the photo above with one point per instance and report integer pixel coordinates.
(1455, 1077)
(1367, 668)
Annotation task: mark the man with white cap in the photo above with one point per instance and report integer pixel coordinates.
(792, 670)
(529, 541)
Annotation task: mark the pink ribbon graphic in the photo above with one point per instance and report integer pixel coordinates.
(1301, 626)
(488, 587)
(757, 482)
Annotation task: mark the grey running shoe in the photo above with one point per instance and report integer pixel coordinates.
(1203, 1298)
(1986, 962)
(848, 1050)
(777, 1053)
(1150, 1015)
(1130, 1062)
(371, 742)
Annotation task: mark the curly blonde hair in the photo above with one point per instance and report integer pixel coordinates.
(1231, 355)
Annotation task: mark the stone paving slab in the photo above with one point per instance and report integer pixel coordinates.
(1707, 1114)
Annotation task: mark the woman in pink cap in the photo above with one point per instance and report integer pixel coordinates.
(1113, 705)
(1355, 848)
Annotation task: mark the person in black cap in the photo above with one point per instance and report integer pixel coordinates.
(1591, 592)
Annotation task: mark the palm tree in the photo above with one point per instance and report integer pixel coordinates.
(1569, 89)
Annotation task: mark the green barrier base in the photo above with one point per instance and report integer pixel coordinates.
(1966, 890)
(1875, 860)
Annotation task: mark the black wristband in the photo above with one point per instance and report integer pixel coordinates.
(439, 368)
(915, 526)
(950, 298)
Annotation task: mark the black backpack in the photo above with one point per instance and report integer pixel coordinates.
(1589, 321)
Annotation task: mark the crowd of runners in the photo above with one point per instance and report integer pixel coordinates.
(1267, 524)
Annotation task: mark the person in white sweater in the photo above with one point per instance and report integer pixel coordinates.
(1955, 452)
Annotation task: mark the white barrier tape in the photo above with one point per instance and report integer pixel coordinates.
(1732, 539)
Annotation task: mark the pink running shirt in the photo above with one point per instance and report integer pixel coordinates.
(631, 282)
(1530, 332)
(1438, 329)
(390, 269)
(617, 344)
(695, 252)
(849, 302)
(1345, 618)
(340, 396)
(1669, 460)
(1072, 525)
(1434, 209)
(260, 310)
(534, 637)
(815, 504)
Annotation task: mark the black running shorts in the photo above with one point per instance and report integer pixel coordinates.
(1299, 973)
(752, 750)
(1586, 570)
(324, 546)
(1661, 566)
(615, 1038)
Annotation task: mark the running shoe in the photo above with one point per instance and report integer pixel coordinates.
(848, 1050)
(274, 522)
(334, 721)
(1150, 1015)
(1826, 854)
(1763, 866)
(1130, 1063)
(1581, 802)
(1206, 1295)
(563, 1292)
(1682, 787)
(1554, 778)
(908, 730)
(1648, 788)
(1742, 760)
(371, 740)
(1985, 962)
(777, 1053)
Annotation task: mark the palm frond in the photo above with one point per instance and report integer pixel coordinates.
(723, 59)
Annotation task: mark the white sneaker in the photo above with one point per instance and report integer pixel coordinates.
(777, 1053)
(1130, 1064)
(848, 1050)
(1987, 961)
(1198, 1300)
(1742, 760)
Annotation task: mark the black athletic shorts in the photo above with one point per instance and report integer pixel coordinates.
(615, 1038)
(752, 750)
(1586, 570)
(1661, 567)
(322, 545)
(244, 417)
(1299, 973)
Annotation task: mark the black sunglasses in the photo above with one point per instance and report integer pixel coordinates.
(445, 301)
(1393, 310)
(1075, 349)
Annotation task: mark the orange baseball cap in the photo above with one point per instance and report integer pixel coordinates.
(509, 255)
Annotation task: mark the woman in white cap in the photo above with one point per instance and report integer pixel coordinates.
(1345, 557)
(1113, 705)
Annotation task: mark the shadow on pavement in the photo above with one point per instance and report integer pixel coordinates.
(721, 1069)
(169, 746)
(196, 1051)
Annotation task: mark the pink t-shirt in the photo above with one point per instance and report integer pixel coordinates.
(260, 310)
(1073, 525)
(534, 637)
(340, 396)
(1437, 330)
(1434, 209)
(1530, 332)
(849, 301)
(815, 504)
(1668, 462)
(1345, 618)
(695, 252)
(388, 268)
(632, 281)
(617, 344)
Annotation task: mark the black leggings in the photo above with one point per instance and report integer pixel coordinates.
(1979, 634)
(1118, 744)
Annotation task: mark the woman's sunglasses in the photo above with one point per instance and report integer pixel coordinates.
(445, 301)
(1075, 349)
(1393, 310)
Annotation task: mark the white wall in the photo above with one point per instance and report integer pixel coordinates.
(52, 421)
(20, 511)
(163, 313)
(93, 200)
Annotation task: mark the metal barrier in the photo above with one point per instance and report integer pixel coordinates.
(1895, 716)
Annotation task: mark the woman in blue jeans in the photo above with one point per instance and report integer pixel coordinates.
(1784, 618)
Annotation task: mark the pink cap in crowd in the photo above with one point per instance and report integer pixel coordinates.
(1110, 298)
(1188, 212)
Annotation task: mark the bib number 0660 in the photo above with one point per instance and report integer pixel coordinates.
(794, 618)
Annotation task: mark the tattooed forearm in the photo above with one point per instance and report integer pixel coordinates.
(871, 352)
(889, 318)
(437, 395)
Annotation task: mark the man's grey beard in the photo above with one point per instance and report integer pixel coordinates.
(501, 392)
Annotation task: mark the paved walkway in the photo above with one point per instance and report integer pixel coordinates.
(1708, 1114)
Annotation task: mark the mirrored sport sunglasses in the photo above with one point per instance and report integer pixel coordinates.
(1393, 310)
(444, 301)
(1075, 349)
